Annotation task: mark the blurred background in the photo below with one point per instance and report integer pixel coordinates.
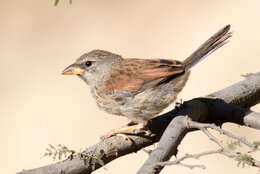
(38, 40)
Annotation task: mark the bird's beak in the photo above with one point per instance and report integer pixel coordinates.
(73, 70)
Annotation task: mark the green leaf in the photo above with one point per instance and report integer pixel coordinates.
(60, 155)
(48, 150)
(93, 163)
(232, 145)
(45, 154)
(52, 147)
(101, 153)
(87, 162)
(256, 144)
(238, 163)
(244, 159)
(56, 2)
(101, 162)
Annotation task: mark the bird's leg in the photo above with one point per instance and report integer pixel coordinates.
(179, 104)
(131, 123)
(132, 129)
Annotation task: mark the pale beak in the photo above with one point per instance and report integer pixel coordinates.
(73, 70)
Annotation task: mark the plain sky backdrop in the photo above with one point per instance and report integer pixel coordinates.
(38, 106)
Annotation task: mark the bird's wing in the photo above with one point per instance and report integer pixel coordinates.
(132, 76)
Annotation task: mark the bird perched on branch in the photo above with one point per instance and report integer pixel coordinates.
(138, 88)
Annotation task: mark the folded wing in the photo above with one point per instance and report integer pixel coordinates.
(132, 76)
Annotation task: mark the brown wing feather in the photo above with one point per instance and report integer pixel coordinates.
(131, 75)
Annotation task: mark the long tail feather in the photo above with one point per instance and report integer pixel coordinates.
(216, 41)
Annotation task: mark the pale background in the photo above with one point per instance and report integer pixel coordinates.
(38, 40)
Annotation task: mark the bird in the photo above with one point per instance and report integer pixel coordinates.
(138, 88)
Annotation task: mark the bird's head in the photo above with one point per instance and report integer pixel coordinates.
(93, 66)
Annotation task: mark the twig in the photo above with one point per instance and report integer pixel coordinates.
(212, 138)
(192, 166)
(186, 156)
(203, 127)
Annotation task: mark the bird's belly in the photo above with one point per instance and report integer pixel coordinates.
(139, 108)
(148, 104)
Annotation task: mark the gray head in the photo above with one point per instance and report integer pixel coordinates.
(92, 66)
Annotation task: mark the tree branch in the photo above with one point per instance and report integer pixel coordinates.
(217, 108)
(241, 158)
(209, 110)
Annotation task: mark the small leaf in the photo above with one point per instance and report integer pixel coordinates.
(244, 159)
(238, 164)
(60, 155)
(45, 154)
(101, 162)
(232, 145)
(93, 163)
(87, 162)
(101, 153)
(256, 144)
(56, 2)
(70, 1)
(52, 147)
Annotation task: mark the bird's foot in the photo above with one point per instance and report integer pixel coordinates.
(178, 104)
(133, 129)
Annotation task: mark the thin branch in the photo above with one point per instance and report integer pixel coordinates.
(187, 156)
(203, 127)
(212, 138)
(192, 166)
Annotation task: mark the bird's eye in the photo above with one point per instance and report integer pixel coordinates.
(88, 63)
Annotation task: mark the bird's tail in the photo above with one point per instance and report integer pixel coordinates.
(216, 41)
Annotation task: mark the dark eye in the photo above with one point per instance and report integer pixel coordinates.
(88, 63)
